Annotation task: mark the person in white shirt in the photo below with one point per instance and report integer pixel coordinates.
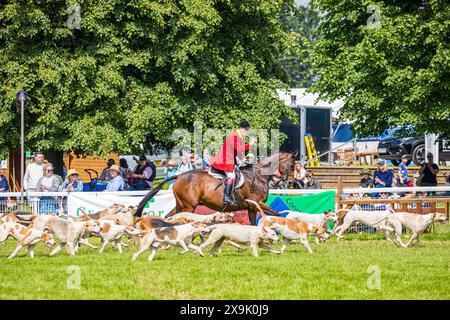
(184, 166)
(48, 183)
(34, 172)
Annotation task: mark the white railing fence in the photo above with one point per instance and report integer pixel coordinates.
(418, 199)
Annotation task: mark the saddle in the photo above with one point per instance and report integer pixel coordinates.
(220, 175)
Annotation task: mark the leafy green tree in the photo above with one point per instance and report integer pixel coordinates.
(303, 21)
(125, 68)
(389, 60)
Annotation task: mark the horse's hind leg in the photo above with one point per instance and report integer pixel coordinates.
(181, 206)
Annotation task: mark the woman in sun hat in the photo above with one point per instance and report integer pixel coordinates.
(72, 183)
(116, 183)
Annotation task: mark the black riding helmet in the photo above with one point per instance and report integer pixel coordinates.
(244, 124)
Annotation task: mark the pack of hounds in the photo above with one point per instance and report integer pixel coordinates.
(118, 226)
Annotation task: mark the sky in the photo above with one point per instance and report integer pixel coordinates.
(301, 2)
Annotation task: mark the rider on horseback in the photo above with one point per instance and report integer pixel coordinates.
(225, 160)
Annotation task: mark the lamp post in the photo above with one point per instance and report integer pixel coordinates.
(21, 99)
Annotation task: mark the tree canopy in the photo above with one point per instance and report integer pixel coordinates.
(303, 21)
(137, 66)
(389, 60)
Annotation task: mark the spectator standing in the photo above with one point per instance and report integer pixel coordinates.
(171, 171)
(72, 183)
(184, 166)
(382, 177)
(105, 175)
(403, 172)
(143, 175)
(34, 172)
(428, 171)
(116, 183)
(312, 182)
(205, 160)
(48, 183)
(4, 187)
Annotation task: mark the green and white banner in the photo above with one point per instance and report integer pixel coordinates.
(90, 202)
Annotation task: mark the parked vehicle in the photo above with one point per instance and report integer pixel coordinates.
(393, 148)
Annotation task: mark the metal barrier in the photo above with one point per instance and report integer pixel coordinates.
(419, 200)
(35, 202)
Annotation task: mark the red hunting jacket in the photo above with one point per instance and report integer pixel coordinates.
(234, 146)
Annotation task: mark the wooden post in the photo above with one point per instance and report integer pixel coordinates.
(340, 188)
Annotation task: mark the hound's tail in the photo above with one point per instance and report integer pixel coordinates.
(151, 194)
(263, 215)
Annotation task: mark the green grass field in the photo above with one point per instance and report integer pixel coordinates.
(336, 270)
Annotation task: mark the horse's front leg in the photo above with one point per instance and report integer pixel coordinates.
(252, 216)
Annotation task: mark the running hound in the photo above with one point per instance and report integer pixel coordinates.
(377, 219)
(26, 237)
(181, 236)
(416, 223)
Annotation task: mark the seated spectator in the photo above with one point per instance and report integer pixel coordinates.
(278, 183)
(382, 177)
(125, 172)
(299, 176)
(124, 168)
(143, 175)
(72, 183)
(415, 182)
(116, 183)
(4, 187)
(171, 171)
(366, 181)
(184, 166)
(105, 176)
(312, 182)
(49, 182)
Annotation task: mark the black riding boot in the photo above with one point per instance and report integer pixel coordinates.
(227, 192)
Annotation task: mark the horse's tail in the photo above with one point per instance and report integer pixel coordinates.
(151, 194)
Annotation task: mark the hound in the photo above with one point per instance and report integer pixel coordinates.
(292, 229)
(253, 235)
(113, 233)
(66, 231)
(377, 219)
(125, 217)
(204, 218)
(320, 219)
(181, 235)
(416, 223)
(27, 237)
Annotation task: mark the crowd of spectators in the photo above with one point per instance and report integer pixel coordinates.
(40, 176)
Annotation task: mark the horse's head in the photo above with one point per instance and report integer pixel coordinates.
(281, 164)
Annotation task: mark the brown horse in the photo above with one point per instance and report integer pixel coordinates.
(197, 187)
